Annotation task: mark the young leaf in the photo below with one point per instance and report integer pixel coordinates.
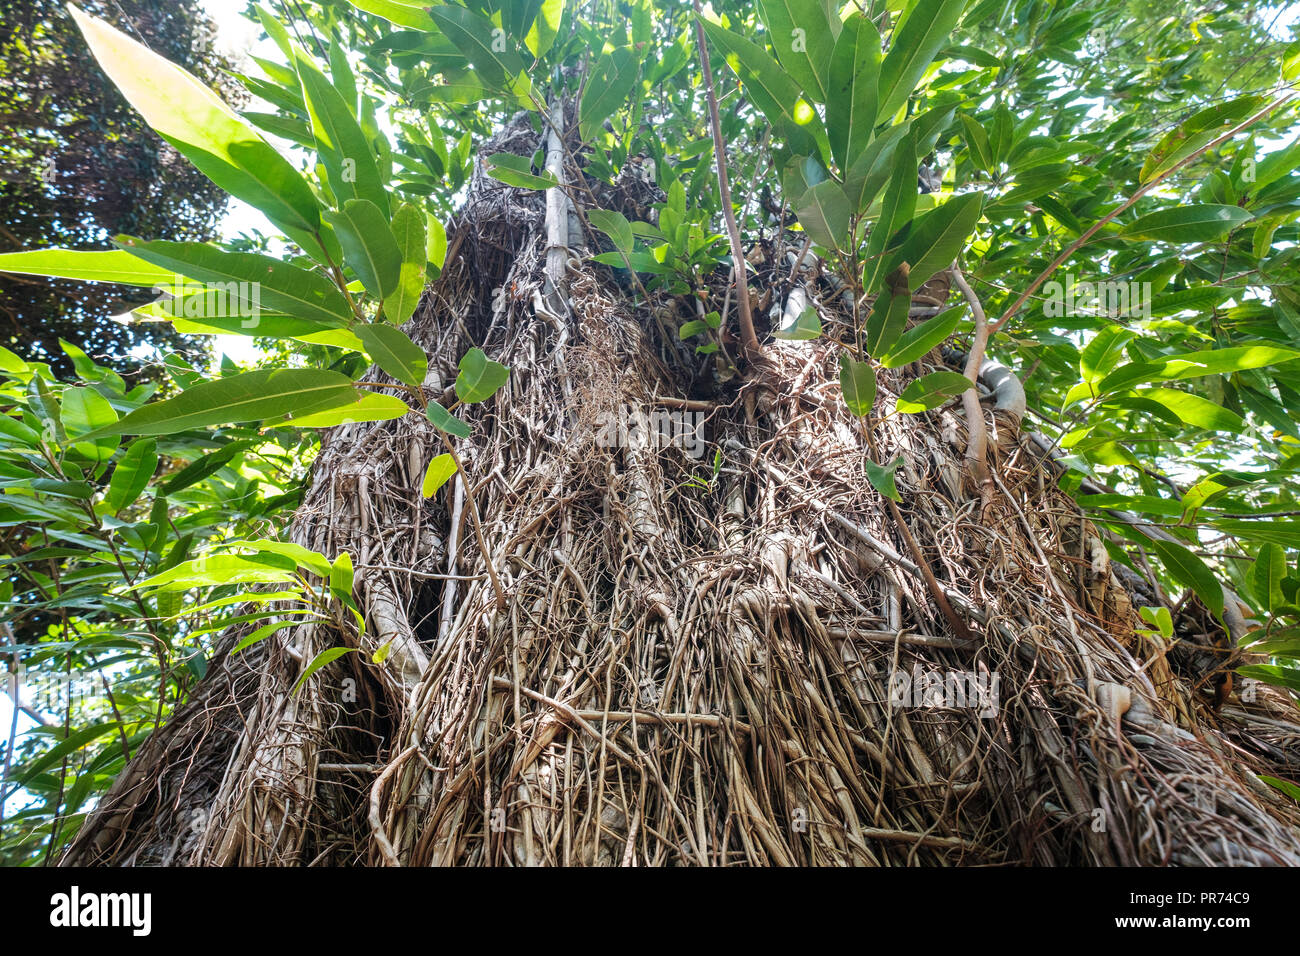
(408, 228)
(394, 352)
(882, 477)
(858, 383)
(479, 377)
(112, 265)
(435, 476)
(341, 576)
(931, 391)
(370, 407)
(320, 660)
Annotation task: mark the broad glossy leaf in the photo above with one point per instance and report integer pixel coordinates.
(279, 286)
(824, 214)
(853, 100)
(808, 325)
(408, 228)
(803, 36)
(492, 52)
(914, 45)
(394, 352)
(132, 474)
(369, 246)
(612, 77)
(518, 171)
(938, 237)
(931, 391)
(896, 210)
(886, 322)
(249, 397)
(436, 475)
(1190, 571)
(919, 340)
(446, 421)
(479, 377)
(323, 658)
(411, 15)
(882, 477)
(1270, 569)
(1205, 222)
(614, 225)
(343, 148)
(858, 383)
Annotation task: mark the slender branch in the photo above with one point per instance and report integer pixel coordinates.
(976, 433)
(1074, 246)
(748, 338)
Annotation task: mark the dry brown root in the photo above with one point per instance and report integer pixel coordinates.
(693, 669)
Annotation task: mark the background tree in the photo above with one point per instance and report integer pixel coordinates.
(78, 166)
(981, 366)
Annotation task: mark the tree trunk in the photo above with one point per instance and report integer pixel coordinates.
(741, 665)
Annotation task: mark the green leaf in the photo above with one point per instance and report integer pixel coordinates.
(69, 745)
(1159, 618)
(320, 660)
(370, 407)
(341, 576)
(1286, 786)
(873, 168)
(853, 97)
(1191, 409)
(611, 80)
(545, 26)
(491, 50)
(479, 377)
(1196, 132)
(411, 15)
(249, 397)
(937, 238)
(408, 228)
(858, 383)
(261, 634)
(132, 474)
(886, 322)
(205, 130)
(85, 411)
(802, 32)
(436, 475)
(896, 210)
(446, 421)
(369, 246)
(518, 171)
(1190, 571)
(394, 352)
(931, 391)
(1205, 222)
(212, 570)
(928, 27)
(824, 214)
(1102, 352)
(113, 265)
(808, 325)
(436, 248)
(773, 91)
(977, 140)
(343, 148)
(247, 277)
(1270, 569)
(614, 225)
(920, 339)
(203, 466)
(1184, 365)
(882, 477)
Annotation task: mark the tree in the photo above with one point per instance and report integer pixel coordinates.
(936, 508)
(79, 167)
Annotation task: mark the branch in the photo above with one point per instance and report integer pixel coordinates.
(1074, 246)
(748, 338)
